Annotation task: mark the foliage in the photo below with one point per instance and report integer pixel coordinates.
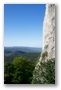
(45, 73)
(29, 56)
(19, 71)
(46, 46)
(44, 54)
(8, 71)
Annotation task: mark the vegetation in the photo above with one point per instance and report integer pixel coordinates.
(46, 46)
(19, 68)
(19, 65)
(19, 71)
(8, 73)
(45, 54)
(29, 56)
(45, 73)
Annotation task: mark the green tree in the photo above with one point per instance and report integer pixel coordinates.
(8, 73)
(23, 70)
(20, 71)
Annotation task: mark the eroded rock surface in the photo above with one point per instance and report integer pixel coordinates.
(49, 31)
(48, 51)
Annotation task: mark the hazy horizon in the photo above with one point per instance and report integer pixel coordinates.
(23, 25)
(22, 46)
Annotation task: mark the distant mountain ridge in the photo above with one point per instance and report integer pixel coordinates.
(23, 49)
(29, 53)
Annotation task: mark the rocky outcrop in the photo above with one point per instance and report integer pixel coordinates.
(48, 50)
(49, 31)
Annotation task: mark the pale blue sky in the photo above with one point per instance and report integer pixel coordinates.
(23, 24)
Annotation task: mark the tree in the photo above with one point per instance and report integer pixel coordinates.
(8, 73)
(23, 70)
(20, 71)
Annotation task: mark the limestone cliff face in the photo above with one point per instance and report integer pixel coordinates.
(48, 50)
(49, 31)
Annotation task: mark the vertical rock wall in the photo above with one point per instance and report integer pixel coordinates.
(49, 31)
(48, 50)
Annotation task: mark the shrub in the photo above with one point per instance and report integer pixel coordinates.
(45, 73)
(46, 46)
(45, 54)
(8, 73)
(20, 71)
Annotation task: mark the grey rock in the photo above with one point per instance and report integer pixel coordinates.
(48, 42)
(49, 30)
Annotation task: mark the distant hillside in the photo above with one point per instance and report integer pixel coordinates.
(8, 52)
(23, 49)
(28, 52)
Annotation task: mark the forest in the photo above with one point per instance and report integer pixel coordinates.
(19, 68)
(19, 64)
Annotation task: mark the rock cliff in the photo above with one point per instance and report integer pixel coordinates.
(49, 31)
(48, 50)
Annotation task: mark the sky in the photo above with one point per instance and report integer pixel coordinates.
(23, 24)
